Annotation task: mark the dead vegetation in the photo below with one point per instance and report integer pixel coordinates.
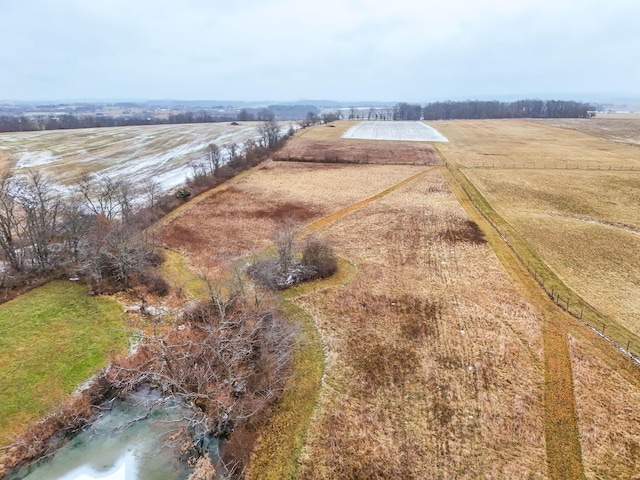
(582, 222)
(340, 150)
(294, 262)
(243, 217)
(608, 416)
(433, 361)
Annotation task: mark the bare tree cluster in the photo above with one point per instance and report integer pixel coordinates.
(219, 164)
(230, 359)
(93, 232)
(294, 263)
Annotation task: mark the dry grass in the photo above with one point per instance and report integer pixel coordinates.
(331, 131)
(434, 361)
(322, 143)
(617, 128)
(522, 143)
(434, 365)
(608, 416)
(243, 216)
(583, 224)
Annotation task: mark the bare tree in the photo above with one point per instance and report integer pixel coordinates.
(10, 223)
(270, 135)
(151, 188)
(100, 194)
(213, 158)
(75, 226)
(233, 151)
(40, 206)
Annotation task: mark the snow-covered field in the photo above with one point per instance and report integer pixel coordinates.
(410, 131)
(161, 152)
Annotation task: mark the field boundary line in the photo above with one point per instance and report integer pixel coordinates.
(341, 213)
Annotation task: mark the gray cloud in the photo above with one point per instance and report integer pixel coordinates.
(285, 49)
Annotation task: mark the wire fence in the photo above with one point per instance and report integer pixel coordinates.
(556, 166)
(557, 291)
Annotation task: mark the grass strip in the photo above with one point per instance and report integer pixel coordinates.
(52, 338)
(562, 437)
(546, 278)
(277, 453)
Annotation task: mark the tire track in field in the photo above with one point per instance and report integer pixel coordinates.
(562, 436)
(312, 227)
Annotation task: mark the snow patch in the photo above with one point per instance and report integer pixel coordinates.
(34, 159)
(401, 130)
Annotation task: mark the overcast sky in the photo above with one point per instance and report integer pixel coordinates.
(387, 50)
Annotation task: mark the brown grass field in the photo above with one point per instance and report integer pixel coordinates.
(322, 143)
(433, 359)
(243, 216)
(585, 224)
(608, 415)
(619, 128)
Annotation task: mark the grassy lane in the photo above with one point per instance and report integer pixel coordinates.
(332, 218)
(564, 458)
(52, 339)
(276, 456)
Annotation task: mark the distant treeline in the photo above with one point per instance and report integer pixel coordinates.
(475, 109)
(24, 123)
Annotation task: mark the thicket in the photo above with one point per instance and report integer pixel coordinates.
(294, 263)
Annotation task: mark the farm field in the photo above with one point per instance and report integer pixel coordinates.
(158, 151)
(617, 128)
(608, 416)
(326, 143)
(583, 223)
(440, 356)
(242, 215)
(434, 361)
(417, 366)
(389, 130)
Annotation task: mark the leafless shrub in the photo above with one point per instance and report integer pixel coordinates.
(294, 264)
(230, 359)
(319, 258)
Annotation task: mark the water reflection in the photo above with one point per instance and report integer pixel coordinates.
(134, 440)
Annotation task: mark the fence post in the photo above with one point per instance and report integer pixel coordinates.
(628, 344)
(603, 325)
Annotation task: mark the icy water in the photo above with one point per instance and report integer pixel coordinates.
(120, 447)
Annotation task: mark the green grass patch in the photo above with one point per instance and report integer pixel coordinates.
(52, 339)
(181, 278)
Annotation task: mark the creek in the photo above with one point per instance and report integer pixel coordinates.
(134, 439)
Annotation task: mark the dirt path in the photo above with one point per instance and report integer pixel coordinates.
(564, 457)
(331, 218)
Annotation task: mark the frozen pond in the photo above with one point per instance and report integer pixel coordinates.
(134, 440)
(401, 130)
